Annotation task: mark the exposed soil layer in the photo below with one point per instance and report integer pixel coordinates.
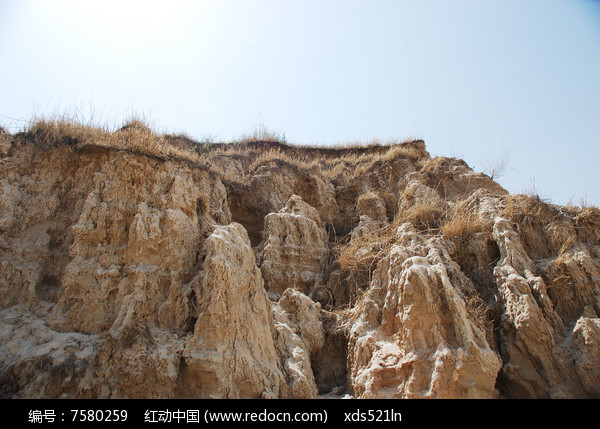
(135, 265)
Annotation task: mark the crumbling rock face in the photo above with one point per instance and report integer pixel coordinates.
(299, 337)
(38, 362)
(135, 242)
(539, 360)
(362, 272)
(294, 248)
(384, 178)
(372, 214)
(415, 336)
(452, 178)
(586, 336)
(231, 353)
(129, 360)
(269, 189)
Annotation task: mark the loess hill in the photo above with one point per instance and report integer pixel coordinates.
(142, 265)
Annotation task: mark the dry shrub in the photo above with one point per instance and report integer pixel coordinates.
(357, 260)
(134, 136)
(588, 216)
(266, 158)
(425, 215)
(51, 132)
(531, 210)
(413, 152)
(587, 224)
(262, 134)
(27, 369)
(359, 257)
(522, 209)
(434, 166)
(421, 206)
(363, 252)
(526, 212)
(461, 221)
(479, 311)
(138, 137)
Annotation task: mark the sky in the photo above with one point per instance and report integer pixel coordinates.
(511, 83)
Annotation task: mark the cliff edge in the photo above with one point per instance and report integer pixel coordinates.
(138, 265)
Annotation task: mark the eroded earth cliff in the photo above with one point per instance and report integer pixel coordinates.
(136, 265)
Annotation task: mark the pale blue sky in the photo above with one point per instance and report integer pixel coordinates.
(479, 80)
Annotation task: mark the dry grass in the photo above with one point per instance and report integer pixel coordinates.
(262, 134)
(588, 216)
(440, 165)
(27, 369)
(133, 136)
(529, 209)
(331, 161)
(587, 224)
(522, 208)
(362, 254)
(340, 162)
(138, 137)
(234, 162)
(425, 215)
(457, 222)
(531, 214)
(51, 132)
(461, 221)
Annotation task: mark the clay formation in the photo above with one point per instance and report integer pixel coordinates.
(137, 265)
